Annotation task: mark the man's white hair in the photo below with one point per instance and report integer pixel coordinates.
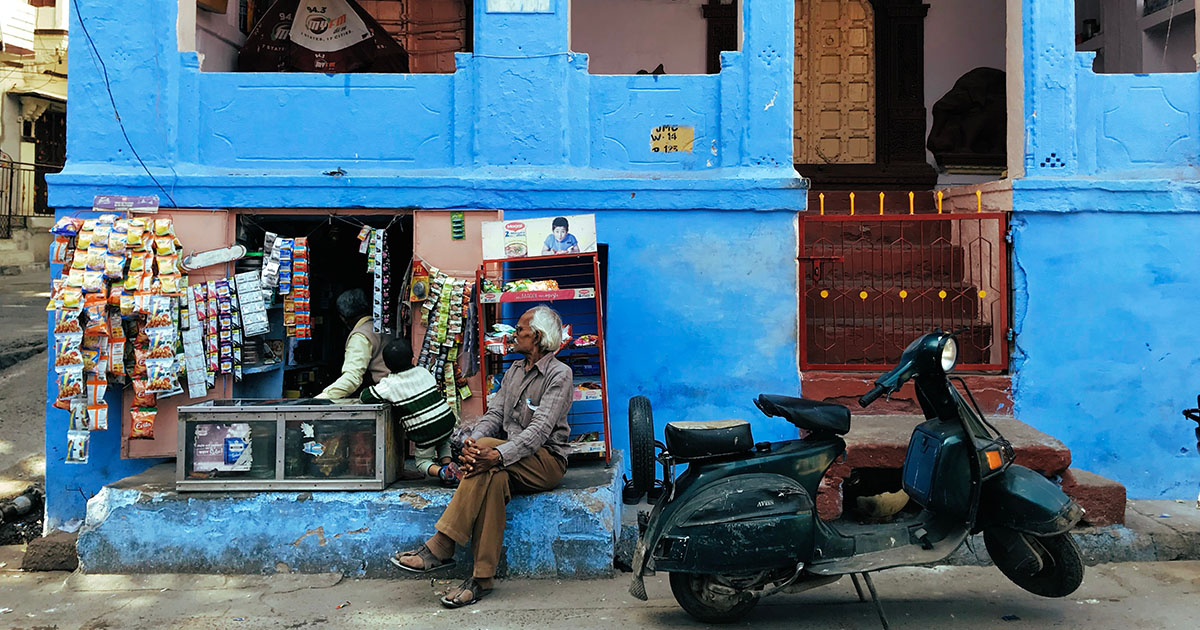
(545, 321)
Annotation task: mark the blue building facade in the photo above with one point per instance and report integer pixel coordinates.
(697, 240)
(1106, 267)
(702, 272)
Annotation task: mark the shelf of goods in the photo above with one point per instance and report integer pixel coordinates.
(570, 284)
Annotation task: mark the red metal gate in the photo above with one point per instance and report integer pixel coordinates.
(873, 283)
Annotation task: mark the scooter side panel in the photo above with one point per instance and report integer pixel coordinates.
(1023, 500)
(802, 462)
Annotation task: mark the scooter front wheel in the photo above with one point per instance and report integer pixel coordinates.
(1062, 563)
(706, 599)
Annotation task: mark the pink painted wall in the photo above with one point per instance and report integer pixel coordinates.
(624, 36)
(460, 259)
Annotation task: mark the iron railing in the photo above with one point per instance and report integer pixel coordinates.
(873, 283)
(22, 192)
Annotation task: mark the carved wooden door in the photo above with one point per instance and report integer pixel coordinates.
(834, 82)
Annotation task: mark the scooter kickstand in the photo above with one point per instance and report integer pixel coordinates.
(875, 598)
(858, 588)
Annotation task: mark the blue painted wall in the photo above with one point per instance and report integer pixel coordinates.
(702, 303)
(1106, 268)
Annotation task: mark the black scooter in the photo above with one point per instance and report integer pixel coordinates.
(740, 523)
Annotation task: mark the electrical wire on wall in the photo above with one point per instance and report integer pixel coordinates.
(117, 114)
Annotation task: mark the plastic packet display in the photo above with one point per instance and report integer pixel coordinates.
(133, 281)
(168, 265)
(67, 226)
(139, 363)
(97, 417)
(114, 266)
(128, 304)
(161, 375)
(170, 284)
(60, 248)
(116, 357)
(75, 278)
(160, 312)
(162, 343)
(70, 383)
(67, 322)
(141, 397)
(163, 227)
(72, 298)
(68, 352)
(96, 386)
(164, 245)
(93, 281)
(117, 241)
(141, 426)
(138, 261)
(77, 446)
(78, 415)
(94, 307)
(100, 234)
(83, 240)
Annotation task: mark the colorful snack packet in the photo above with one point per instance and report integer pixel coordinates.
(67, 322)
(97, 386)
(97, 417)
(141, 397)
(93, 281)
(68, 352)
(164, 245)
(60, 250)
(163, 227)
(142, 425)
(77, 446)
(67, 226)
(70, 383)
(161, 375)
(168, 265)
(135, 234)
(114, 266)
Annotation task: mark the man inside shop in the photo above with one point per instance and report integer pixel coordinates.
(518, 446)
(363, 364)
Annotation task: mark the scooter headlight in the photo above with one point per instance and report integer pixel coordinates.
(949, 354)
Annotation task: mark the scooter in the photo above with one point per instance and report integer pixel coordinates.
(741, 524)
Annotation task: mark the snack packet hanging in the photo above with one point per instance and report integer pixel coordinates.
(168, 265)
(68, 352)
(77, 446)
(160, 375)
(117, 241)
(83, 240)
(164, 245)
(139, 363)
(163, 227)
(97, 417)
(78, 415)
(96, 386)
(60, 250)
(141, 397)
(162, 343)
(70, 383)
(67, 322)
(75, 278)
(93, 281)
(72, 298)
(94, 307)
(135, 234)
(160, 312)
(67, 226)
(142, 423)
(114, 266)
(170, 284)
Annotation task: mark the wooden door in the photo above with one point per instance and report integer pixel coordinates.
(834, 82)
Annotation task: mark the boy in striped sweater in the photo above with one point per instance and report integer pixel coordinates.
(427, 420)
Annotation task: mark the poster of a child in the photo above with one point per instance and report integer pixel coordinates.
(560, 240)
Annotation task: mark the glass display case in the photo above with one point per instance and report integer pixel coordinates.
(299, 444)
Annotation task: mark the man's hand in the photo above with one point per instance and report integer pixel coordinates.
(476, 460)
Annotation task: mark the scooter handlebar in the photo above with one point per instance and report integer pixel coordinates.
(872, 395)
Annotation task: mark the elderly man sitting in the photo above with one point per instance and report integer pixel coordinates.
(518, 446)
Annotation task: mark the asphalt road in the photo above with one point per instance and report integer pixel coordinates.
(1118, 596)
(22, 380)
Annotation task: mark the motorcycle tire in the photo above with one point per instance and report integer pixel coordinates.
(1062, 564)
(689, 591)
(641, 444)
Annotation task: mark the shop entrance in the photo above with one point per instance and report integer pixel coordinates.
(338, 262)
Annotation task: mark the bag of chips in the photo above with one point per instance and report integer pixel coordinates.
(117, 241)
(142, 425)
(68, 352)
(135, 234)
(75, 278)
(141, 397)
(78, 415)
(97, 386)
(97, 416)
(93, 281)
(70, 383)
(72, 298)
(161, 375)
(67, 322)
(162, 343)
(114, 266)
(164, 245)
(139, 363)
(77, 446)
(168, 265)
(60, 250)
(67, 226)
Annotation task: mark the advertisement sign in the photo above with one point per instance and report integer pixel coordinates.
(543, 236)
(222, 447)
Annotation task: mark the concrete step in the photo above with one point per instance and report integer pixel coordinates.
(993, 392)
(1103, 500)
(881, 442)
(880, 341)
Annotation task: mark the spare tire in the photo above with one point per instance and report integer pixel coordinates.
(641, 443)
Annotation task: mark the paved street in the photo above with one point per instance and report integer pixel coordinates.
(1117, 596)
(22, 379)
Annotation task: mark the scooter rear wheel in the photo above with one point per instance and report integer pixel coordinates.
(1062, 564)
(696, 596)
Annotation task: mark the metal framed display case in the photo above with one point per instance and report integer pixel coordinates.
(301, 444)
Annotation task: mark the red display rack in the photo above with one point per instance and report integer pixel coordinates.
(577, 300)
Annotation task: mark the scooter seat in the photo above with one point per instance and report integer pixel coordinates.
(693, 440)
(812, 415)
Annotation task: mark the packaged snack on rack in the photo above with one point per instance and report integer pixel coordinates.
(142, 397)
(161, 375)
(160, 312)
(118, 240)
(114, 266)
(142, 423)
(77, 446)
(94, 260)
(78, 415)
(97, 417)
(60, 250)
(164, 245)
(96, 386)
(72, 298)
(170, 284)
(162, 343)
(67, 226)
(168, 265)
(163, 227)
(70, 383)
(67, 322)
(68, 351)
(93, 281)
(135, 235)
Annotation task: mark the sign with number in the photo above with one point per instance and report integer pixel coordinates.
(672, 139)
(519, 6)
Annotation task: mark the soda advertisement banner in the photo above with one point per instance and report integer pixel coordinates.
(543, 236)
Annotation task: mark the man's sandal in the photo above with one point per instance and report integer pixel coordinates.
(469, 585)
(429, 562)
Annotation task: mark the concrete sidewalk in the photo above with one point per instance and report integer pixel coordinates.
(1149, 595)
